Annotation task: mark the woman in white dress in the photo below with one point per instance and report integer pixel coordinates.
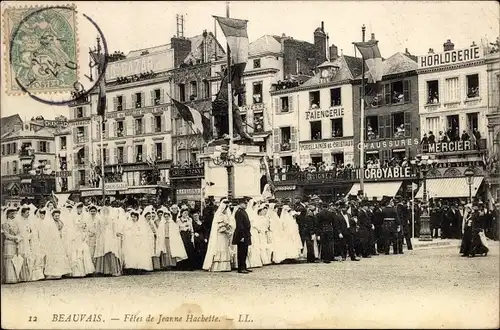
(263, 222)
(136, 246)
(159, 224)
(175, 250)
(38, 244)
(218, 256)
(81, 259)
(107, 249)
(57, 263)
(277, 234)
(89, 226)
(254, 251)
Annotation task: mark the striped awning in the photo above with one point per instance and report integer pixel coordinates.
(377, 189)
(450, 187)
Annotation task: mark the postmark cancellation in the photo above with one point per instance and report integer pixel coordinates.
(41, 49)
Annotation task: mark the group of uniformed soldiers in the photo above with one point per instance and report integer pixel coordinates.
(355, 228)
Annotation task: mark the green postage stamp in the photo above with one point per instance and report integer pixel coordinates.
(41, 49)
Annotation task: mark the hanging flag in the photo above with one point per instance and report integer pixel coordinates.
(373, 60)
(193, 117)
(235, 31)
(99, 59)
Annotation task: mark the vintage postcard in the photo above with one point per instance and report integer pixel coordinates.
(250, 164)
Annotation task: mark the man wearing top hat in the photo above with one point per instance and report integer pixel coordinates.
(242, 237)
(343, 233)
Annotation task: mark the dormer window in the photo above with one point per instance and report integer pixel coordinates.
(256, 63)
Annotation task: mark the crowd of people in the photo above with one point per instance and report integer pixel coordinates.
(77, 240)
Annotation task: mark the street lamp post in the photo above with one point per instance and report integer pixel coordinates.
(227, 156)
(423, 163)
(469, 173)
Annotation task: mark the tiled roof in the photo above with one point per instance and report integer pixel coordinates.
(355, 64)
(266, 43)
(5, 121)
(397, 63)
(346, 65)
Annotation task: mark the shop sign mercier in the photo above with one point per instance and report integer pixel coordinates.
(449, 146)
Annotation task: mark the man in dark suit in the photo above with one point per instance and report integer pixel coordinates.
(343, 233)
(242, 237)
(325, 232)
(365, 229)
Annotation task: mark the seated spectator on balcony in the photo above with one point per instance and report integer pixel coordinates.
(397, 97)
(375, 101)
(311, 168)
(404, 163)
(186, 164)
(314, 106)
(400, 131)
(322, 167)
(465, 136)
(285, 146)
(473, 92)
(433, 98)
(317, 136)
(442, 137)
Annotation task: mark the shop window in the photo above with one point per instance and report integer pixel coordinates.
(119, 102)
(156, 96)
(338, 158)
(335, 97)
(63, 142)
(256, 64)
(138, 126)
(194, 90)
(159, 150)
(138, 153)
(258, 122)
(432, 92)
(286, 162)
(257, 92)
(372, 128)
(284, 104)
(157, 124)
(314, 100)
(472, 121)
(472, 85)
(79, 112)
(138, 100)
(285, 138)
(453, 131)
(337, 128)
(315, 130)
(316, 159)
(182, 92)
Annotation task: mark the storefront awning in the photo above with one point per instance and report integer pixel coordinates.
(450, 187)
(377, 189)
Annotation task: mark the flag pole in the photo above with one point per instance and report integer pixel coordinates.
(99, 68)
(412, 212)
(229, 91)
(362, 115)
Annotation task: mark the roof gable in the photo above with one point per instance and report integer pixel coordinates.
(265, 44)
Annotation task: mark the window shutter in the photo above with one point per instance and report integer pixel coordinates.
(115, 155)
(143, 122)
(48, 147)
(164, 151)
(276, 140)
(389, 126)
(86, 154)
(153, 123)
(85, 112)
(387, 91)
(115, 103)
(290, 103)
(134, 101)
(277, 105)
(115, 128)
(381, 126)
(406, 90)
(125, 127)
(152, 97)
(130, 126)
(106, 127)
(163, 123)
(124, 102)
(97, 131)
(162, 92)
(293, 137)
(125, 154)
(106, 156)
(143, 99)
(407, 119)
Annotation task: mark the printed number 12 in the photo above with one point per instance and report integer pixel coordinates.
(32, 319)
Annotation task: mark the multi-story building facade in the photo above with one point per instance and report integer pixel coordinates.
(453, 93)
(28, 158)
(493, 117)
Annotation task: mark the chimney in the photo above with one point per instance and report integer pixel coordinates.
(320, 44)
(373, 36)
(431, 51)
(182, 48)
(204, 48)
(448, 45)
(322, 26)
(334, 52)
(473, 44)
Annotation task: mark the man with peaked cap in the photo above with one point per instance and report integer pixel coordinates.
(391, 226)
(324, 230)
(242, 237)
(365, 229)
(446, 221)
(308, 230)
(404, 220)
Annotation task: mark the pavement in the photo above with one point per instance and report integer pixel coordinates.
(423, 288)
